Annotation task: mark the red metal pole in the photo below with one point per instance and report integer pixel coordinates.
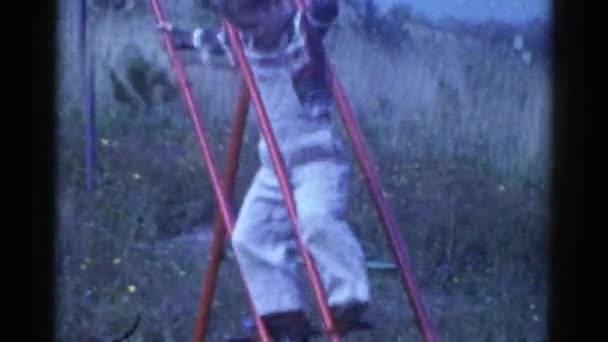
(279, 168)
(373, 183)
(232, 165)
(220, 198)
(388, 222)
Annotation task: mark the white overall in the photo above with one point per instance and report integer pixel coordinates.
(318, 173)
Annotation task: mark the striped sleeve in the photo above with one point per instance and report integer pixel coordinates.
(210, 42)
(183, 39)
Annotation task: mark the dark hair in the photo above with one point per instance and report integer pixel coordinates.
(231, 8)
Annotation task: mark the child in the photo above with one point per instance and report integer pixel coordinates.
(286, 53)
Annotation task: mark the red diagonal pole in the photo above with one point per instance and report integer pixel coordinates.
(230, 172)
(374, 186)
(388, 221)
(279, 169)
(193, 112)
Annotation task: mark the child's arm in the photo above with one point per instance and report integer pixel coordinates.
(206, 40)
(320, 14)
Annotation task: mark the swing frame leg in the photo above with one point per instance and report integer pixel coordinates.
(219, 230)
(216, 183)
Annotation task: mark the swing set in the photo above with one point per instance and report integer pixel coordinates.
(223, 188)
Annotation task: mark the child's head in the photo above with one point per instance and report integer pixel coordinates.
(254, 15)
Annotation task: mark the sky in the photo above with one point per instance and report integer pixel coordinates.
(510, 11)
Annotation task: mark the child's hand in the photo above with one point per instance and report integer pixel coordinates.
(165, 26)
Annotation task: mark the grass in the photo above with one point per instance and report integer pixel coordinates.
(457, 127)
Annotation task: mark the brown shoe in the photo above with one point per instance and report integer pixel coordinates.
(348, 317)
(291, 326)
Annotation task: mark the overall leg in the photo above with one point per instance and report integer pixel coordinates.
(263, 241)
(321, 191)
